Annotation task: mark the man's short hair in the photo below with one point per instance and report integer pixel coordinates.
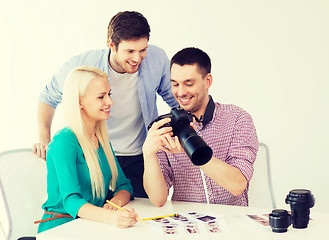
(127, 26)
(190, 56)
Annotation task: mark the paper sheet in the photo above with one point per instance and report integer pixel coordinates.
(191, 223)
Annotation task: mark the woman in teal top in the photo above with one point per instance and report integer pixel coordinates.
(81, 165)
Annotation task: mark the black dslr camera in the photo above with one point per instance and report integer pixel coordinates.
(195, 147)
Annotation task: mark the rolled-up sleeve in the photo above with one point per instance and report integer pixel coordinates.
(52, 92)
(244, 145)
(165, 168)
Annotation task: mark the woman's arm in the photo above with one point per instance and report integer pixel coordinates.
(119, 218)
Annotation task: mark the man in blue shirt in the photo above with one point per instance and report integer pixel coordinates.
(137, 71)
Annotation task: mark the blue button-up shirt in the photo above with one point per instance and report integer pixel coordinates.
(153, 73)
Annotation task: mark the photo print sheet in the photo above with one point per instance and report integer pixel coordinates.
(191, 223)
(262, 219)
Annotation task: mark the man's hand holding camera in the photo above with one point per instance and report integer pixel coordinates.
(161, 138)
(181, 122)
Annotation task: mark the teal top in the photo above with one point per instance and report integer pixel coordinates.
(68, 179)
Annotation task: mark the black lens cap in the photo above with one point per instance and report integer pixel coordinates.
(302, 196)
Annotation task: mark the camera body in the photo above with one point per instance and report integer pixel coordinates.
(180, 119)
(195, 147)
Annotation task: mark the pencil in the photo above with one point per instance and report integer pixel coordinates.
(170, 215)
(114, 205)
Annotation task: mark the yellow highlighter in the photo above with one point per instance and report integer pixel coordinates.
(170, 215)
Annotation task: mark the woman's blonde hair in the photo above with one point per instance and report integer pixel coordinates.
(75, 87)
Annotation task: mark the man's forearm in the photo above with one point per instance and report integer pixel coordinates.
(45, 117)
(225, 175)
(121, 198)
(154, 182)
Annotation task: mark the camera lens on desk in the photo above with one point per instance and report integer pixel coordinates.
(300, 200)
(279, 220)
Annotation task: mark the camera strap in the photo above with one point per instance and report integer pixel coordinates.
(197, 119)
(205, 186)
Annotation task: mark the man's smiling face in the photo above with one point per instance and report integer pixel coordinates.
(190, 88)
(129, 54)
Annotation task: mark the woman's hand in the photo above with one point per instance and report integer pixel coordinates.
(126, 219)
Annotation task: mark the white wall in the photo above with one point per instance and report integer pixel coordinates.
(270, 57)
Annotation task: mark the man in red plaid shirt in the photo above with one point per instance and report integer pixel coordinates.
(227, 129)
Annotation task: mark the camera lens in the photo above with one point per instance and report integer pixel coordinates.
(195, 147)
(300, 200)
(279, 220)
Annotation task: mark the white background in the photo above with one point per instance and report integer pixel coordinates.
(270, 57)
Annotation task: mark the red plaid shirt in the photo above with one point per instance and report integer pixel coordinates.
(230, 132)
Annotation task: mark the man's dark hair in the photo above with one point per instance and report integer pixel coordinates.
(190, 56)
(127, 26)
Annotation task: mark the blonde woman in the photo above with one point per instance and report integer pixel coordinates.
(82, 169)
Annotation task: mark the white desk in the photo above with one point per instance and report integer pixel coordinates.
(239, 225)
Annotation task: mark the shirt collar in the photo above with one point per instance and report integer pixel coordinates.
(208, 115)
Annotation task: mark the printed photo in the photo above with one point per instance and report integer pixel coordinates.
(213, 227)
(192, 229)
(170, 230)
(261, 220)
(206, 218)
